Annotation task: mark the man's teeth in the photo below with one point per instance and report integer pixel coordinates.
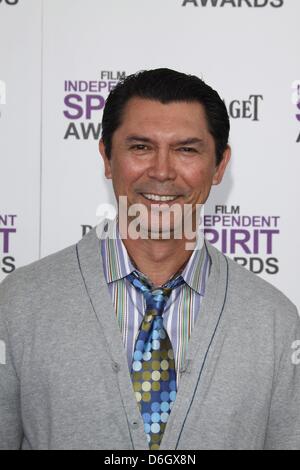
(155, 197)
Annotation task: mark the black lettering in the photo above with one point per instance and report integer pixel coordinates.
(272, 263)
(248, 3)
(225, 2)
(8, 261)
(235, 209)
(72, 132)
(10, 2)
(86, 131)
(194, 2)
(214, 3)
(260, 3)
(91, 129)
(234, 3)
(277, 3)
(234, 109)
(247, 112)
(255, 99)
(260, 267)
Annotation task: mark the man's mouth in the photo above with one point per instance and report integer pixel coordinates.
(160, 198)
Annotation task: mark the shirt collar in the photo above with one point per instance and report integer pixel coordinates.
(117, 263)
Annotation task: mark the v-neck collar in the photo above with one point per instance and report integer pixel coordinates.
(201, 341)
(117, 263)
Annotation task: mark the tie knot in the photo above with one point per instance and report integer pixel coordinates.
(156, 297)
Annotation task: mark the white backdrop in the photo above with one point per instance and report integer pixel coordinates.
(58, 59)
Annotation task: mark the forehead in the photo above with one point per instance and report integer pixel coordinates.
(148, 116)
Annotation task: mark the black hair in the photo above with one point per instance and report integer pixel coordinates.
(166, 86)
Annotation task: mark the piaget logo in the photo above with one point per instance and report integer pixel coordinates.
(245, 109)
(234, 3)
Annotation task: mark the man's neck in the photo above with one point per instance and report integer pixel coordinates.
(159, 260)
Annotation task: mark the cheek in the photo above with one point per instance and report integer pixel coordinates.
(127, 173)
(198, 177)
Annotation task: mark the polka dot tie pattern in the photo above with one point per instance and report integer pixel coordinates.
(153, 370)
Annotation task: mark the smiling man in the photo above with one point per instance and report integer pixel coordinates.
(132, 341)
(162, 152)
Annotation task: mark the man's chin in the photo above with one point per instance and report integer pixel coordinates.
(159, 226)
(158, 231)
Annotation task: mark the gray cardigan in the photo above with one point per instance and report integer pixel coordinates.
(66, 384)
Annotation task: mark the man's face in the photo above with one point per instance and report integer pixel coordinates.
(163, 150)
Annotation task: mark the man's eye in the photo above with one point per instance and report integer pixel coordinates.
(187, 149)
(139, 147)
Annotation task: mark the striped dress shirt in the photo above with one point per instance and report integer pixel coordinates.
(182, 308)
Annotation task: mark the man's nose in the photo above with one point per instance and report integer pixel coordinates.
(162, 166)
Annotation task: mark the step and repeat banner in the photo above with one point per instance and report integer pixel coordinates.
(60, 58)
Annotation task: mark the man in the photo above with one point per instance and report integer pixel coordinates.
(130, 339)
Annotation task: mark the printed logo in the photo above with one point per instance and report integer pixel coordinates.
(248, 239)
(245, 109)
(7, 231)
(234, 3)
(84, 101)
(161, 220)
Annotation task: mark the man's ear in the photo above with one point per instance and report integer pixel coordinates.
(106, 161)
(220, 169)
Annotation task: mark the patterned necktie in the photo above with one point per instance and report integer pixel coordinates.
(153, 370)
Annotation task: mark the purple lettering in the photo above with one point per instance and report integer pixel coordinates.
(6, 232)
(234, 240)
(94, 103)
(73, 105)
(298, 115)
(270, 234)
(213, 235)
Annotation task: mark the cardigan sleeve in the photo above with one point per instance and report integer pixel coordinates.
(10, 410)
(283, 432)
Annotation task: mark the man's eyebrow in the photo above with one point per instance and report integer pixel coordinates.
(187, 141)
(190, 141)
(137, 138)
